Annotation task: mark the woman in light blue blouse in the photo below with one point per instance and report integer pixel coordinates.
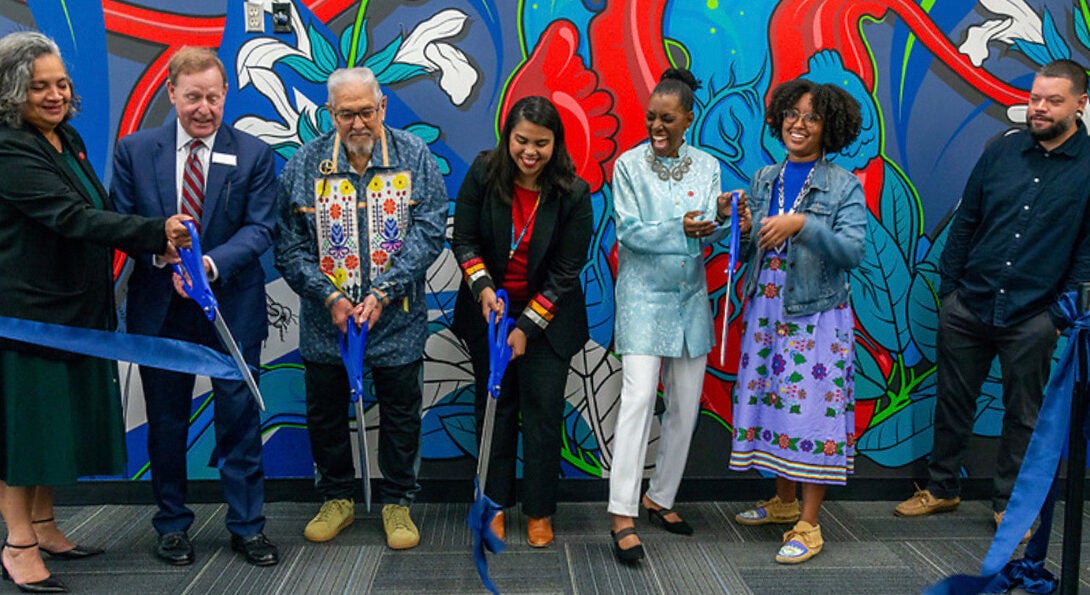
(666, 202)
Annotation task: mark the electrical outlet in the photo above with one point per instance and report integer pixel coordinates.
(255, 17)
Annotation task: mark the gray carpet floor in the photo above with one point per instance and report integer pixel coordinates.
(867, 550)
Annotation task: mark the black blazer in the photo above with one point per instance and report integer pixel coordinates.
(558, 251)
(56, 248)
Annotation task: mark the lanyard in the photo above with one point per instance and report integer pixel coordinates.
(529, 221)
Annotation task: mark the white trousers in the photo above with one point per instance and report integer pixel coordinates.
(682, 381)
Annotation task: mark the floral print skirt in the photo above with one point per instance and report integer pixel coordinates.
(793, 401)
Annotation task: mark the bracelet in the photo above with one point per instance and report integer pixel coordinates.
(333, 298)
(381, 296)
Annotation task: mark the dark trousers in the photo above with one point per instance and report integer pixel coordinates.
(533, 386)
(169, 399)
(400, 397)
(966, 348)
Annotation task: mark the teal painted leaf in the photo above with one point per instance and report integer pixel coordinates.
(306, 69)
(880, 289)
(380, 60)
(398, 72)
(900, 210)
(325, 55)
(1082, 32)
(923, 315)
(428, 133)
(869, 381)
(361, 43)
(904, 437)
(1057, 47)
(444, 165)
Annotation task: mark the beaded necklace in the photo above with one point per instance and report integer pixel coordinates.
(677, 172)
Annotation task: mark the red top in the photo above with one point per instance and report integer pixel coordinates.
(523, 214)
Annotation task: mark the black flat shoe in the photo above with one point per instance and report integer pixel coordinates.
(46, 585)
(174, 548)
(658, 517)
(76, 553)
(257, 550)
(626, 556)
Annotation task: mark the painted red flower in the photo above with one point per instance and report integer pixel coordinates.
(351, 262)
(556, 71)
(327, 265)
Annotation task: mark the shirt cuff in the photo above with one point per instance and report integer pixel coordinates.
(214, 273)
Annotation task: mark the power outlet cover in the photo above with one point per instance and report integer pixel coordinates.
(255, 17)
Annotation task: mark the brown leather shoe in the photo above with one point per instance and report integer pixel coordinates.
(924, 502)
(498, 527)
(539, 533)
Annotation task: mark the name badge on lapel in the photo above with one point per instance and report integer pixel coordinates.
(224, 159)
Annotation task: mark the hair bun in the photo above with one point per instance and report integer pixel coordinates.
(682, 75)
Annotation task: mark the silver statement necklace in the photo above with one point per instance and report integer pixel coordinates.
(795, 205)
(677, 172)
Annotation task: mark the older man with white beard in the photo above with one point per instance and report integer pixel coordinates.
(384, 183)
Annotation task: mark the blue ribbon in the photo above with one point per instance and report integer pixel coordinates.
(353, 343)
(1034, 491)
(156, 352)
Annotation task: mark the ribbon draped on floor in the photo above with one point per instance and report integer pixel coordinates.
(484, 509)
(168, 354)
(1035, 490)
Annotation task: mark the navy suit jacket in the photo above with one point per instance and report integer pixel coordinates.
(237, 223)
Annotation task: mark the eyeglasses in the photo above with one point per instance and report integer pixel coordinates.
(346, 117)
(790, 115)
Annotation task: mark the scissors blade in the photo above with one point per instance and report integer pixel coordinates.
(361, 437)
(228, 341)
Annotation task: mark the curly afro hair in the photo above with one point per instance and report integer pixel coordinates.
(839, 110)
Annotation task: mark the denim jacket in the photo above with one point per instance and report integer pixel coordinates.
(828, 245)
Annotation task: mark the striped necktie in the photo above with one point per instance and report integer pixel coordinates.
(193, 183)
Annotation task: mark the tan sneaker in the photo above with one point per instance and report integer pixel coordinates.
(999, 519)
(922, 502)
(800, 544)
(771, 511)
(401, 533)
(334, 516)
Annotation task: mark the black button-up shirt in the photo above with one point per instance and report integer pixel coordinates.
(1020, 234)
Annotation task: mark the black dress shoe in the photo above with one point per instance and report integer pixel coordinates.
(658, 517)
(174, 548)
(75, 553)
(257, 550)
(626, 556)
(47, 585)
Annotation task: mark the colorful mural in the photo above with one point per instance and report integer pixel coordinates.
(937, 80)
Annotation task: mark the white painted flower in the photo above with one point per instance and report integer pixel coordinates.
(1018, 21)
(423, 48)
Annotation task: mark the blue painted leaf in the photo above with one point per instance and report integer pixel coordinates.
(1057, 47)
(325, 55)
(923, 314)
(361, 43)
(900, 211)
(1082, 32)
(580, 447)
(381, 59)
(880, 288)
(428, 133)
(306, 69)
(449, 428)
(1035, 51)
(904, 437)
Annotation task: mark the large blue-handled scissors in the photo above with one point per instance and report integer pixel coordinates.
(353, 345)
(732, 263)
(195, 284)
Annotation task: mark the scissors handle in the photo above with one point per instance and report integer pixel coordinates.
(191, 270)
(499, 352)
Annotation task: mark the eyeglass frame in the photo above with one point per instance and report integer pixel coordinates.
(792, 114)
(348, 117)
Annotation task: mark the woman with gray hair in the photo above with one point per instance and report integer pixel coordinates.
(60, 415)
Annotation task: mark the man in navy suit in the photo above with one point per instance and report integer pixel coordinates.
(227, 182)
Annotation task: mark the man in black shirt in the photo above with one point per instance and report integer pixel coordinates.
(1020, 237)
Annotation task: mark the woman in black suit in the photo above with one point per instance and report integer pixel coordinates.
(523, 222)
(60, 415)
